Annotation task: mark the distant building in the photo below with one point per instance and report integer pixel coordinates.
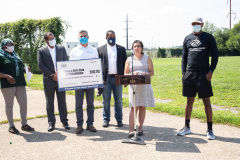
(70, 45)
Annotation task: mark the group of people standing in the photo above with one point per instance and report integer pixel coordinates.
(197, 74)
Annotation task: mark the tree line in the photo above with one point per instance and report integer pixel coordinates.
(228, 41)
(27, 34)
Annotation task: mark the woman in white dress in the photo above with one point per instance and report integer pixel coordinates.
(142, 65)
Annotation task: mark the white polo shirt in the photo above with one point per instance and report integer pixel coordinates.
(80, 52)
(112, 59)
(53, 55)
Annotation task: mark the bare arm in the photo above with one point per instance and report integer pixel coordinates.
(10, 79)
(150, 67)
(126, 70)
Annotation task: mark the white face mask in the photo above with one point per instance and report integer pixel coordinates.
(196, 28)
(52, 42)
(10, 49)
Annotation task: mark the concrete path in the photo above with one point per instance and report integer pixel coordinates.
(159, 134)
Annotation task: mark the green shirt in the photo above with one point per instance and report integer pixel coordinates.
(8, 66)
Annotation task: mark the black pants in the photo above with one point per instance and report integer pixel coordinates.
(49, 91)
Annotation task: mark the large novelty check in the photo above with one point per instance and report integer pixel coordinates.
(80, 74)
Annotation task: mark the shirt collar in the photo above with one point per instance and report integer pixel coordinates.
(111, 46)
(51, 48)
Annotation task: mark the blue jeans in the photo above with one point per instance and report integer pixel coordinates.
(117, 94)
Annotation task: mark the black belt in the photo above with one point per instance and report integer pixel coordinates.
(111, 75)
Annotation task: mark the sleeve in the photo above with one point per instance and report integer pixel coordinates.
(214, 54)
(65, 57)
(124, 57)
(42, 65)
(184, 57)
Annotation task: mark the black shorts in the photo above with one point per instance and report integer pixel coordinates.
(196, 82)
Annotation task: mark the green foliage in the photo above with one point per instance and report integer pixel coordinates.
(161, 53)
(221, 36)
(27, 35)
(176, 52)
(209, 27)
(233, 42)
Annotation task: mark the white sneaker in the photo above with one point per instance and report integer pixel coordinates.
(184, 131)
(210, 134)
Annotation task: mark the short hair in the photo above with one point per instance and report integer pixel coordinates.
(46, 35)
(140, 42)
(81, 31)
(110, 31)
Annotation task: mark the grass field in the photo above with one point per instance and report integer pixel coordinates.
(167, 84)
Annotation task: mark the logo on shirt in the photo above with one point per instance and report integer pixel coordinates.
(195, 43)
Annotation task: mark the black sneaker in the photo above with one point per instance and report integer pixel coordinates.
(13, 130)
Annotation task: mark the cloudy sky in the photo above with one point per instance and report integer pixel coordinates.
(162, 23)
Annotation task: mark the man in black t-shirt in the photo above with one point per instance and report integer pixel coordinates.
(197, 74)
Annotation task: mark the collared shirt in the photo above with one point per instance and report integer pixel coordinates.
(112, 59)
(53, 55)
(80, 52)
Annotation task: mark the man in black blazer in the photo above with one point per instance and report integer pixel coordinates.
(113, 57)
(47, 59)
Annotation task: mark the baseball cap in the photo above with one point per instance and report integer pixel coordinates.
(198, 20)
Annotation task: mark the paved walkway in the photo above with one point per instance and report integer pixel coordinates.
(160, 136)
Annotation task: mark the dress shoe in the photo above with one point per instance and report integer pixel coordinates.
(79, 130)
(51, 128)
(13, 130)
(66, 126)
(27, 128)
(119, 124)
(105, 124)
(91, 128)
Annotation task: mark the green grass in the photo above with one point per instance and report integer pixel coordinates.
(167, 84)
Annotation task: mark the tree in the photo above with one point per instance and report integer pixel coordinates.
(221, 36)
(161, 52)
(233, 43)
(209, 27)
(27, 34)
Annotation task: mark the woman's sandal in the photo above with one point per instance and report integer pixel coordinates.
(140, 133)
(130, 134)
(27, 128)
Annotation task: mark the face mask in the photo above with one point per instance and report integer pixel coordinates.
(196, 28)
(52, 42)
(10, 49)
(112, 41)
(83, 40)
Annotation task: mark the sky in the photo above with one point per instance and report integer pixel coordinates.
(157, 23)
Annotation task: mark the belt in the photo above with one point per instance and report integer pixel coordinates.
(111, 75)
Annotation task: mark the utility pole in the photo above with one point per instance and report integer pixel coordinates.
(127, 31)
(230, 15)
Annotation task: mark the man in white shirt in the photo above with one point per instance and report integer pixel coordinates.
(47, 59)
(84, 51)
(113, 57)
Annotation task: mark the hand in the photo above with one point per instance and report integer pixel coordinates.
(209, 76)
(29, 70)
(54, 76)
(135, 73)
(10, 79)
(145, 73)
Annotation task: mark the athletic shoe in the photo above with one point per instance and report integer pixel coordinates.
(184, 131)
(210, 134)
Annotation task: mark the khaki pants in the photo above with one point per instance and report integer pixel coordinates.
(21, 95)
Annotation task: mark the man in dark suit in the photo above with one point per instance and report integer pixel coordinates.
(47, 59)
(113, 57)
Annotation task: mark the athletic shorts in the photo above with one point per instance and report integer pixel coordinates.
(196, 82)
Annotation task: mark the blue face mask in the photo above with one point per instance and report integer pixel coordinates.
(112, 41)
(196, 28)
(83, 40)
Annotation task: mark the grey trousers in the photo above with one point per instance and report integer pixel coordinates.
(79, 95)
(21, 95)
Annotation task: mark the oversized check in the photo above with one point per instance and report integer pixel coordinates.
(79, 74)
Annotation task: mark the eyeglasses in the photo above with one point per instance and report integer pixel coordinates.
(9, 44)
(137, 46)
